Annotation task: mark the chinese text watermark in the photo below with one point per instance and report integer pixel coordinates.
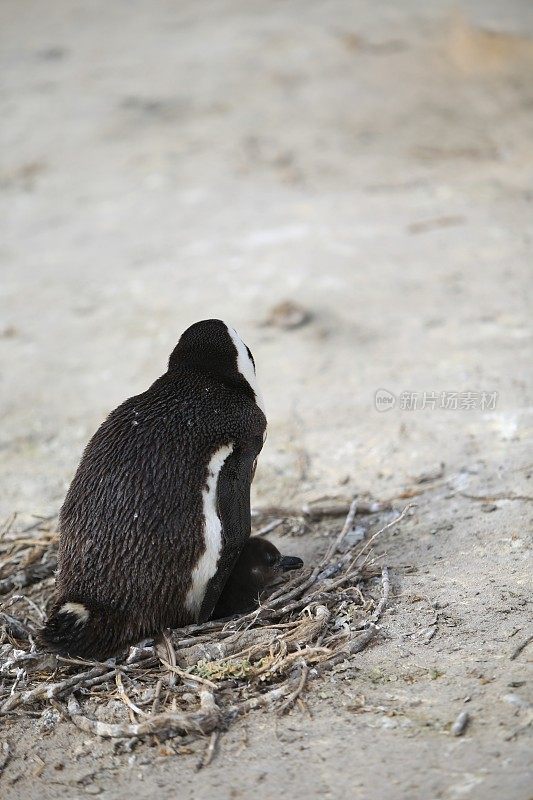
(384, 400)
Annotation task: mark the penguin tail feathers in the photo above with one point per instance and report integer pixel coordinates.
(75, 629)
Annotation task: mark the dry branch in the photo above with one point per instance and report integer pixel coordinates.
(163, 725)
(316, 512)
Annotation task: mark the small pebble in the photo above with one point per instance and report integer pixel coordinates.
(287, 316)
(357, 534)
(515, 700)
(460, 724)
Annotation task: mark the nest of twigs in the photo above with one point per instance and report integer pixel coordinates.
(198, 679)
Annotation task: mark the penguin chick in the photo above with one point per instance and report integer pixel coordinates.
(159, 508)
(259, 565)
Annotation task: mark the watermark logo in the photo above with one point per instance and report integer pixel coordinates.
(384, 400)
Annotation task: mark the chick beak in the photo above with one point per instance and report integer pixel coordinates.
(290, 562)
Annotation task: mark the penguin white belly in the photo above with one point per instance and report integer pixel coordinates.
(207, 564)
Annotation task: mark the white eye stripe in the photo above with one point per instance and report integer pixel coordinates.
(246, 367)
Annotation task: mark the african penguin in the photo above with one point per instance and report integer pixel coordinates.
(259, 565)
(159, 508)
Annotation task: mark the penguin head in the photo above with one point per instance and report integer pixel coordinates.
(213, 347)
(261, 563)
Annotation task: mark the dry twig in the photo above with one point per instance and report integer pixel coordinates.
(522, 646)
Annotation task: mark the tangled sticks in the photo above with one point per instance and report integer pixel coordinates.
(206, 675)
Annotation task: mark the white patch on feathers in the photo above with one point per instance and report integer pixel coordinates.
(245, 366)
(207, 564)
(77, 610)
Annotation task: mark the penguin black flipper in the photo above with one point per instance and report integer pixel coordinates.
(233, 509)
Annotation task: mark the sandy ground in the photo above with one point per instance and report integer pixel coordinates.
(165, 162)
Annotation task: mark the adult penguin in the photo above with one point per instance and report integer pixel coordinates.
(159, 508)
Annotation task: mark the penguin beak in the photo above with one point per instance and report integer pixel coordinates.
(290, 562)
